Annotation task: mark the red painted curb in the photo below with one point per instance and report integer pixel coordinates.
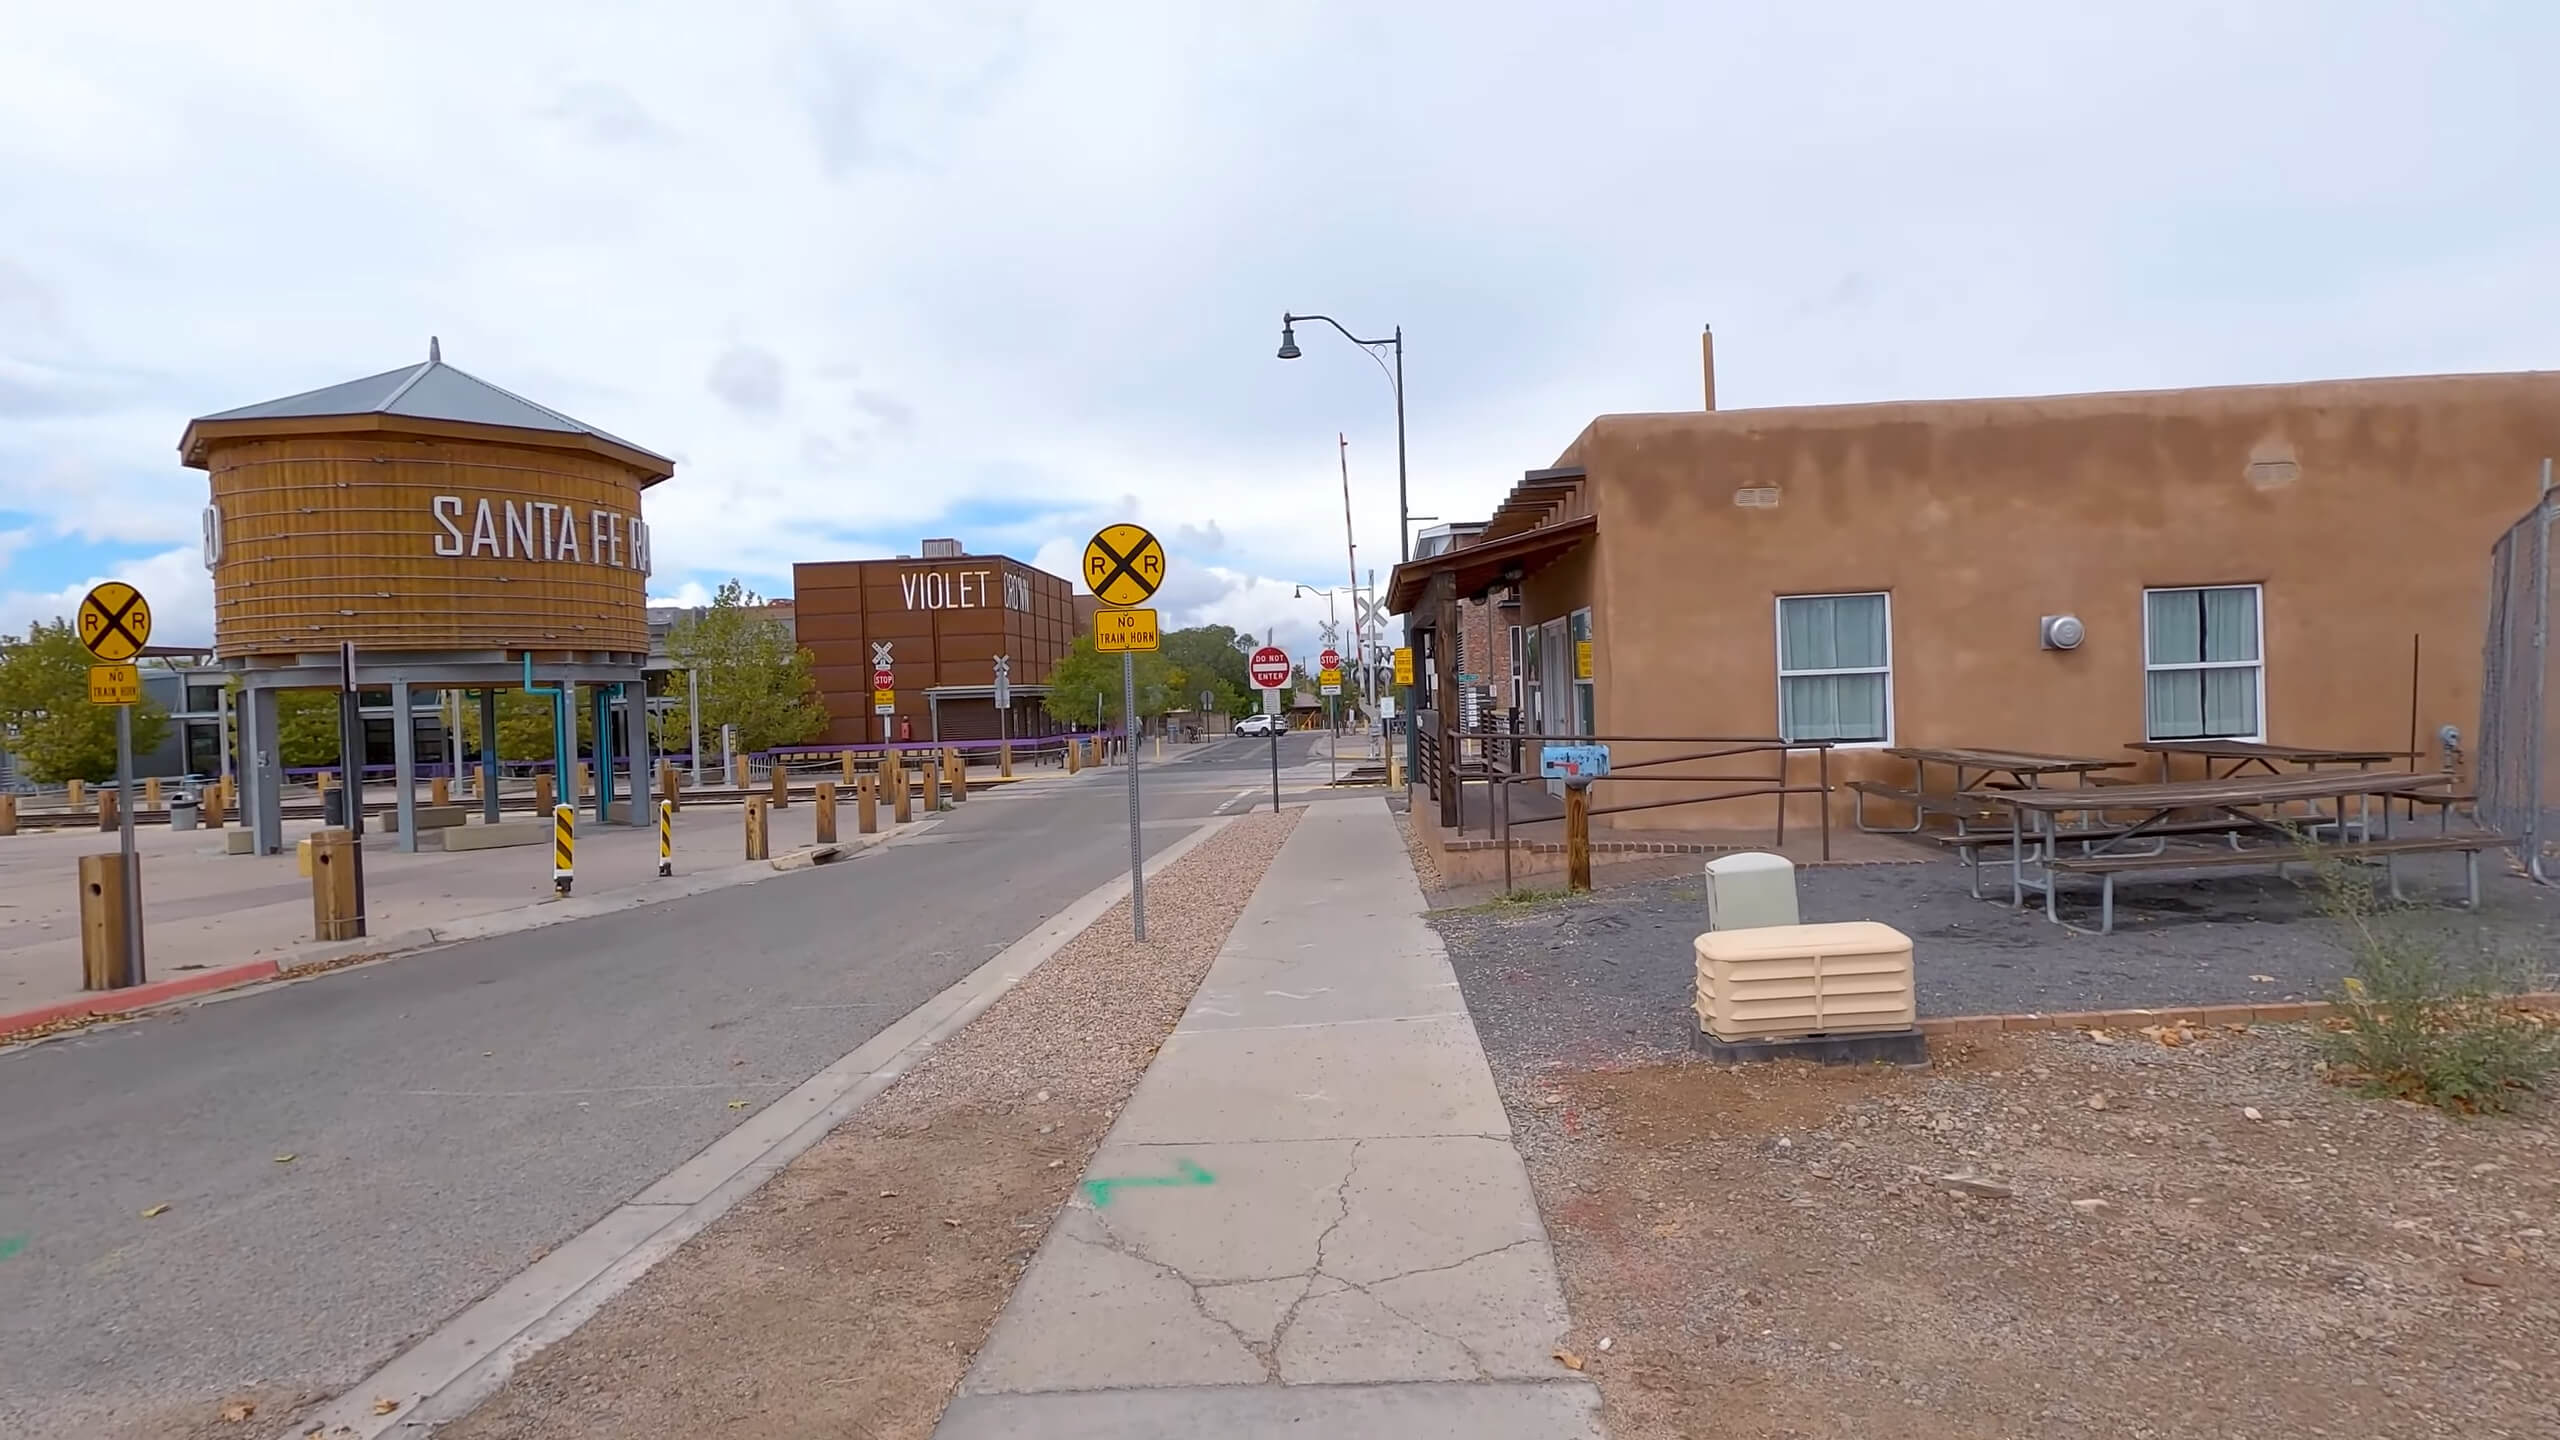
(154, 992)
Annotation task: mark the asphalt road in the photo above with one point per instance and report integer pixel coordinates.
(452, 1115)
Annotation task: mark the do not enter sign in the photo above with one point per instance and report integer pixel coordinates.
(1269, 667)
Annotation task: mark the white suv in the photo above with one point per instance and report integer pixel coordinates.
(1260, 725)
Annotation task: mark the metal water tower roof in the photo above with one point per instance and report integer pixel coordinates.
(432, 391)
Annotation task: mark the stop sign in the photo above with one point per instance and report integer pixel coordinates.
(1269, 667)
(1331, 659)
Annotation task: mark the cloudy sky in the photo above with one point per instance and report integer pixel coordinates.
(1005, 272)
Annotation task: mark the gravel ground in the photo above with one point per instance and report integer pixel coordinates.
(2203, 1241)
(1607, 976)
(848, 1296)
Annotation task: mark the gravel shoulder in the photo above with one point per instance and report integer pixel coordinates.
(1774, 1247)
(848, 1295)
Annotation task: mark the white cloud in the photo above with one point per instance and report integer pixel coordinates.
(957, 260)
(180, 592)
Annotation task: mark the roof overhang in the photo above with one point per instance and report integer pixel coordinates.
(202, 435)
(1488, 563)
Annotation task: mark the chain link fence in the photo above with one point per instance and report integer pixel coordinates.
(2519, 751)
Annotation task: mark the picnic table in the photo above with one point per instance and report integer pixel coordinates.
(2240, 755)
(2036, 861)
(2026, 769)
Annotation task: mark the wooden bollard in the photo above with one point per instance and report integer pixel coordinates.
(8, 814)
(902, 797)
(932, 774)
(439, 791)
(668, 783)
(107, 809)
(826, 822)
(781, 787)
(151, 793)
(1075, 754)
(74, 795)
(212, 803)
(333, 886)
(893, 762)
(847, 757)
(756, 835)
(545, 794)
(1097, 751)
(866, 803)
(738, 773)
(102, 922)
(959, 776)
(578, 778)
(1004, 760)
(1577, 837)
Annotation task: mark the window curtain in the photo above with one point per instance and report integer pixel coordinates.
(2195, 627)
(1832, 632)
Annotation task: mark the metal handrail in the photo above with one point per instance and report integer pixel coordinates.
(1509, 769)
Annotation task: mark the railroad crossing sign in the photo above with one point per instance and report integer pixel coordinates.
(1004, 683)
(1269, 667)
(1330, 659)
(115, 621)
(880, 654)
(1115, 631)
(1123, 565)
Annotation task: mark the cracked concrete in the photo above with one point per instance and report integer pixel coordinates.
(1311, 1215)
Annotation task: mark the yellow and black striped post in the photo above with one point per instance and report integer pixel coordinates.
(666, 837)
(564, 846)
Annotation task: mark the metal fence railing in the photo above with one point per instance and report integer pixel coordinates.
(2519, 792)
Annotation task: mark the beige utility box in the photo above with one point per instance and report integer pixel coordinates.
(1786, 980)
(1749, 890)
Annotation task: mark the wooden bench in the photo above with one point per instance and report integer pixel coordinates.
(2107, 867)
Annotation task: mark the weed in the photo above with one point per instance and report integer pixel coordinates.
(2415, 1023)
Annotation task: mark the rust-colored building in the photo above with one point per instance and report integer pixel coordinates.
(943, 617)
(2262, 562)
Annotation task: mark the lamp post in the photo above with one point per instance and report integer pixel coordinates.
(1289, 351)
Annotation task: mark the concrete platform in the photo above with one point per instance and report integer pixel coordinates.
(1550, 1410)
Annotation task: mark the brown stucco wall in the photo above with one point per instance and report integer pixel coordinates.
(2366, 509)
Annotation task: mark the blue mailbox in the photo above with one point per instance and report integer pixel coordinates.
(1573, 764)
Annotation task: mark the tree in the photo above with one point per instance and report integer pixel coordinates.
(46, 720)
(307, 727)
(1084, 675)
(753, 676)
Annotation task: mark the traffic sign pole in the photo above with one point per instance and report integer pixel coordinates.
(1137, 865)
(133, 967)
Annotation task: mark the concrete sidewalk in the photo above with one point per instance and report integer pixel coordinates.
(1310, 1219)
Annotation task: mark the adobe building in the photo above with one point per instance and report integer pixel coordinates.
(458, 535)
(939, 619)
(2268, 562)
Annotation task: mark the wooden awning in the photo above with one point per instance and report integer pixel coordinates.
(1487, 563)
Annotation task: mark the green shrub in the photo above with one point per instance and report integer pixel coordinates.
(2414, 1022)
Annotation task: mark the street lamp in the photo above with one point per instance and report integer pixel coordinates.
(1289, 351)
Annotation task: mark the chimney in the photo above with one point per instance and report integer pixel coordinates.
(1707, 359)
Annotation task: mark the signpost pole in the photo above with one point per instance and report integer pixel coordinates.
(1332, 743)
(133, 973)
(1137, 867)
(693, 705)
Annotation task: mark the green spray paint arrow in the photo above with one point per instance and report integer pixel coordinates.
(1188, 1173)
(11, 1245)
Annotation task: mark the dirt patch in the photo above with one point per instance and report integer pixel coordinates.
(1775, 1252)
(848, 1295)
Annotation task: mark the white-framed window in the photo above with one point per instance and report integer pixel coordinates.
(1835, 668)
(2203, 661)
(1578, 636)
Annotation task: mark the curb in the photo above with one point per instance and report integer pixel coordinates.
(2278, 1014)
(106, 1004)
